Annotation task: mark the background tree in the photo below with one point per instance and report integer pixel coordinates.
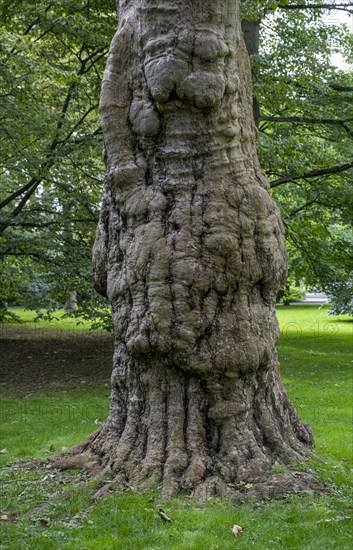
(52, 57)
(305, 143)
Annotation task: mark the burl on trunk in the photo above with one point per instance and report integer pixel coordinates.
(190, 252)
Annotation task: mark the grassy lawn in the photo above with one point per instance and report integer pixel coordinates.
(50, 510)
(60, 321)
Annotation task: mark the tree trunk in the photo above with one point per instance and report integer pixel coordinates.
(191, 253)
(71, 305)
(251, 33)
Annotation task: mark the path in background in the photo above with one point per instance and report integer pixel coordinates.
(315, 298)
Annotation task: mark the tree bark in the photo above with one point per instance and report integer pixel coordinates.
(190, 252)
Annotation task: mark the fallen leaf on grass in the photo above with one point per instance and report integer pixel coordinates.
(330, 520)
(3, 451)
(236, 529)
(163, 515)
(4, 517)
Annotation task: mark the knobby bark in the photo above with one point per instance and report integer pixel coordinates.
(190, 252)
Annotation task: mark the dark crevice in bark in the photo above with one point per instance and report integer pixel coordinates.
(190, 297)
(148, 176)
(198, 168)
(167, 214)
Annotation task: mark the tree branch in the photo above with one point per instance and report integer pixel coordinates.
(332, 6)
(312, 174)
(57, 222)
(20, 205)
(27, 253)
(300, 208)
(338, 88)
(20, 191)
(304, 120)
(78, 124)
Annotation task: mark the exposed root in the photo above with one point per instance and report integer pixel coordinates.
(203, 487)
(82, 461)
(279, 485)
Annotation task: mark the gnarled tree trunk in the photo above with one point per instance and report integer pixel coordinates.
(190, 252)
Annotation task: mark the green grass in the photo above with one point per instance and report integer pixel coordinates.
(60, 320)
(316, 358)
(33, 426)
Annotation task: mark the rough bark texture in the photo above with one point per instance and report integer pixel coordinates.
(190, 252)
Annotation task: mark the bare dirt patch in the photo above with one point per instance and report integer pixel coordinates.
(33, 361)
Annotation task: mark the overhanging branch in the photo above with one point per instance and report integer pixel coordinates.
(348, 7)
(312, 174)
(339, 88)
(306, 120)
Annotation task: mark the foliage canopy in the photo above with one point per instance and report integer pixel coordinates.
(52, 59)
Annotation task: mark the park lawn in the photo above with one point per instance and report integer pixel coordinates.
(51, 510)
(316, 357)
(60, 321)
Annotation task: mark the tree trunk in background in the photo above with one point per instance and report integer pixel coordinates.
(251, 33)
(191, 253)
(71, 305)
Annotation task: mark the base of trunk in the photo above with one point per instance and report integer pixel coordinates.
(204, 438)
(268, 486)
